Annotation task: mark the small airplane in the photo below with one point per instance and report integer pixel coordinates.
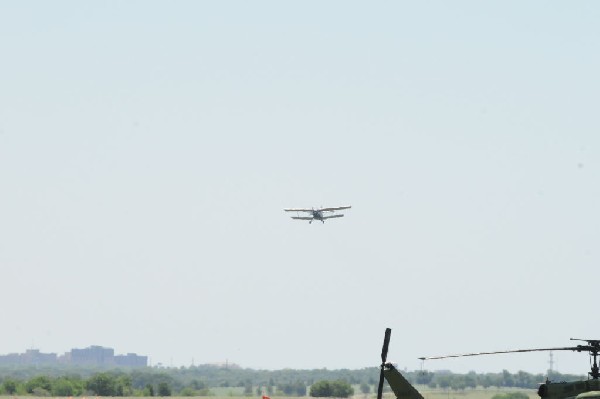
(317, 214)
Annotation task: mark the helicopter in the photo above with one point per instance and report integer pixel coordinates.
(589, 389)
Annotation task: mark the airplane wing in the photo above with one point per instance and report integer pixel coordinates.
(335, 208)
(333, 216)
(302, 217)
(298, 210)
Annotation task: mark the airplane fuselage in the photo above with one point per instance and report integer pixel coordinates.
(317, 215)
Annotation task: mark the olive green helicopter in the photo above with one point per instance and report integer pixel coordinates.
(589, 389)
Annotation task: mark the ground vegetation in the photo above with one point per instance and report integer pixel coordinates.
(222, 381)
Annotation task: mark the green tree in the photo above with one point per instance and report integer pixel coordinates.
(123, 386)
(365, 388)
(444, 382)
(342, 389)
(248, 388)
(62, 387)
(196, 384)
(9, 386)
(41, 382)
(321, 389)
(149, 390)
(424, 377)
(338, 389)
(300, 388)
(457, 383)
(471, 380)
(507, 379)
(164, 389)
(102, 384)
(39, 392)
(487, 381)
(188, 391)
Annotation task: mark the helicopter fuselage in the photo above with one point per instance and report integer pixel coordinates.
(575, 389)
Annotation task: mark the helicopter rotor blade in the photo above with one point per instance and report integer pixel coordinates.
(570, 348)
(386, 344)
(380, 387)
(384, 352)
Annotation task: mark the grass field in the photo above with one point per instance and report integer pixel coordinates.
(472, 393)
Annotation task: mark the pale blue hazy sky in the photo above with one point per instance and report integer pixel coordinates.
(147, 149)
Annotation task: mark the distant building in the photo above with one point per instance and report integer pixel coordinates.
(11, 358)
(31, 356)
(34, 356)
(91, 356)
(131, 360)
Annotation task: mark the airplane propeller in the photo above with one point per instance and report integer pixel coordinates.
(384, 352)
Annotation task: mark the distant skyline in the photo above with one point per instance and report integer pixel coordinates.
(94, 355)
(57, 356)
(148, 149)
(40, 350)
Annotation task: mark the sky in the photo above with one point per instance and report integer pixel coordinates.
(148, 148)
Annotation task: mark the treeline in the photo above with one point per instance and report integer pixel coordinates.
(520, 379)
(205, 380)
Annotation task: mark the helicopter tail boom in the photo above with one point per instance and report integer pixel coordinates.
(401, 387)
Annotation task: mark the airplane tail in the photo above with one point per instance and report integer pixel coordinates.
(401, 387)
